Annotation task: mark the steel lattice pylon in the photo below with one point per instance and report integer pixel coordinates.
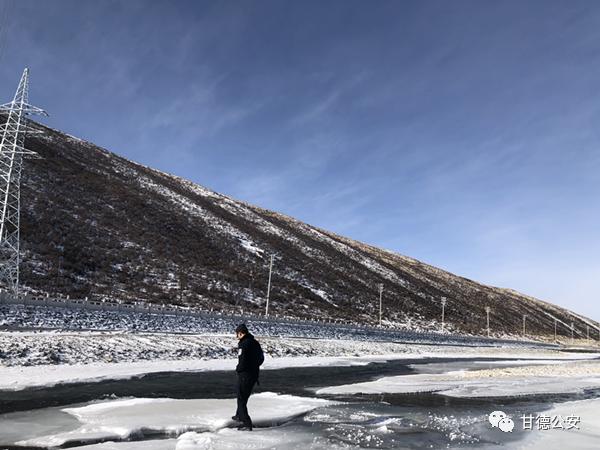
(12, 150)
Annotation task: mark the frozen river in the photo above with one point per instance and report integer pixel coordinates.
(294, 408)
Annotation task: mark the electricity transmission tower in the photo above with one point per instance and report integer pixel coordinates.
(12, 150)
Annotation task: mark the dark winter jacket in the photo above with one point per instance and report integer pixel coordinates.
(250, 356)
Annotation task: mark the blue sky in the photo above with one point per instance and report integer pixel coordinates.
(465, 133)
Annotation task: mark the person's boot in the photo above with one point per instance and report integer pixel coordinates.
(245, 427)
(236, 418)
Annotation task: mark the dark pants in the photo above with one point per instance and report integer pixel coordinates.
(245, 383)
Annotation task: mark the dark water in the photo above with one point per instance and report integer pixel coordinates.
(423, 420)
(213, 384)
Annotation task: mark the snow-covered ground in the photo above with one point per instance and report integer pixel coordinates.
(29, 359)
(41, 348)
(53, 347)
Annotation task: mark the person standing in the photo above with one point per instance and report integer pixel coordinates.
(250, 358)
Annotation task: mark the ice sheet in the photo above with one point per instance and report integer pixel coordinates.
(461, 366)
(120, 419)
(586, 438)
(468, 388)
(524, 362)
(274, 438)
(156, 444)
(499, 382)
(288, 438)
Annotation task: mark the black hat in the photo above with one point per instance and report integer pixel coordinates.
(242, 328)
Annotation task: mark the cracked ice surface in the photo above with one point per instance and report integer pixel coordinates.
(290, 438)
(273, 438)
(586, 437)
(121, 419)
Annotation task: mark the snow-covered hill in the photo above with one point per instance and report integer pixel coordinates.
(95, 224)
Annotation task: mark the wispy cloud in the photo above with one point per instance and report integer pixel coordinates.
(321, 107)
(462, 134)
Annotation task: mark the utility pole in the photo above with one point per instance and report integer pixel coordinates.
(572, 333)
(380, 302)
(487, 312)
(524, 318)
(555, 327)
(59, 272)
(269, 286)
(444, 300)
(183, 284)
(12, 150)
(588, 332)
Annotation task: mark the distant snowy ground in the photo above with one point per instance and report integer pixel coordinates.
(41, 348)
(29, 359)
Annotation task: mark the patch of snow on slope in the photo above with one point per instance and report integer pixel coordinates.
(251, 247)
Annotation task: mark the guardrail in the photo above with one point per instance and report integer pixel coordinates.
(388, 333)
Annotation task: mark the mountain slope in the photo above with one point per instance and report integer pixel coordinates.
(95, 224)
